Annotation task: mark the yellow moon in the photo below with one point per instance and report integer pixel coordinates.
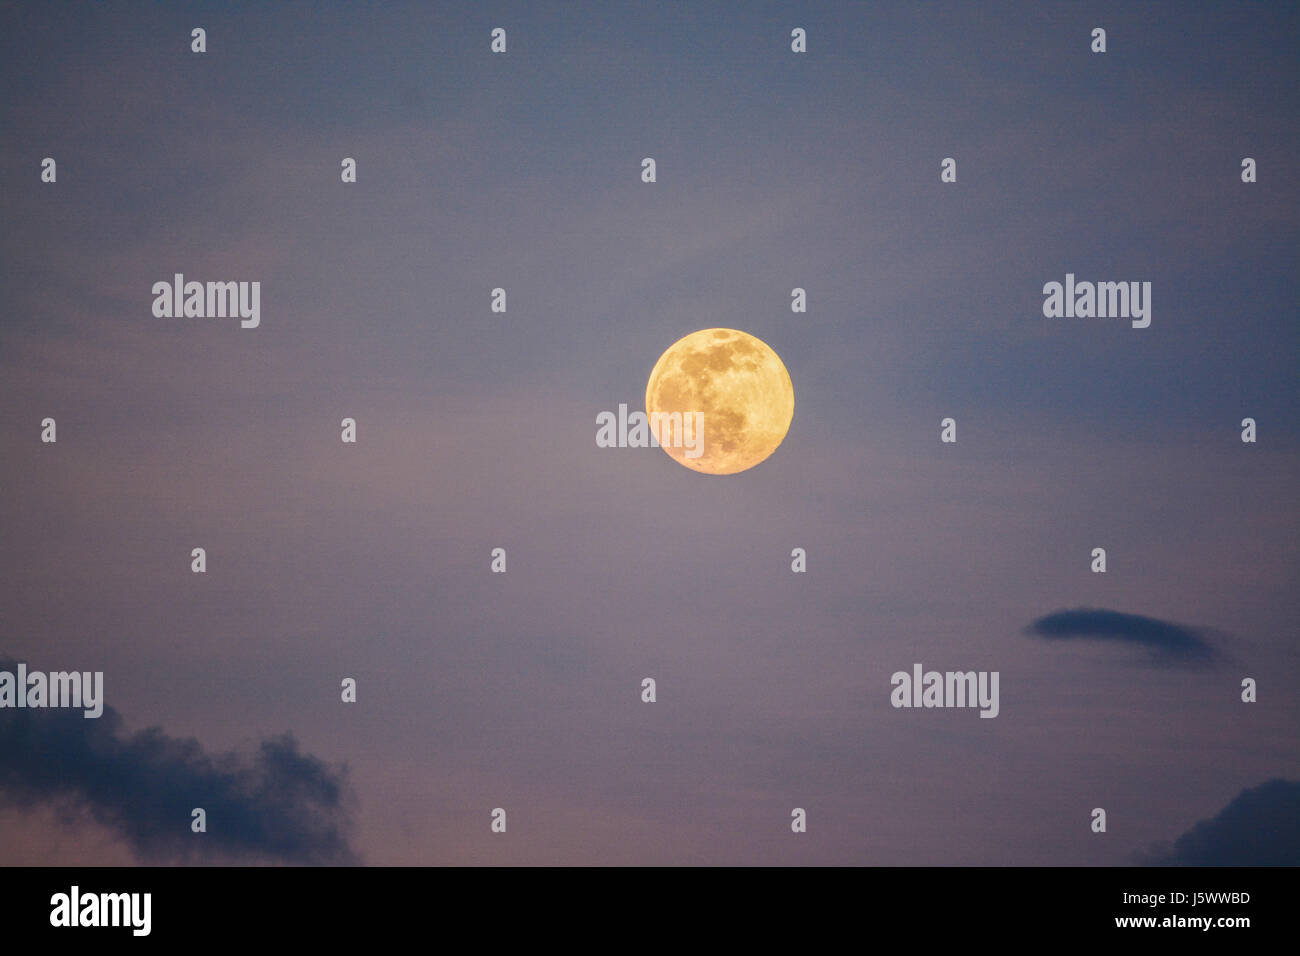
(740, 389)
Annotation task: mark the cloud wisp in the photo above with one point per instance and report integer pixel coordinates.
(1169, 643)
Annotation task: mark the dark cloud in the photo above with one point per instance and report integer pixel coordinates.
(1260, 827)
(276, 804)
(1167, 641)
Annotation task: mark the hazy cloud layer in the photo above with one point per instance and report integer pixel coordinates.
(1167, 641)
(276, 804)
(1260, 827)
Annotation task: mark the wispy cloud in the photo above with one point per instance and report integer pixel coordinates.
(1168, 642)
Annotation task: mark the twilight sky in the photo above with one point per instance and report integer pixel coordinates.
(476, 430)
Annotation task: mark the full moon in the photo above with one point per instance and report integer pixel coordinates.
(738, 386)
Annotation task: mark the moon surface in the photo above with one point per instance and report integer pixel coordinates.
(739, 386)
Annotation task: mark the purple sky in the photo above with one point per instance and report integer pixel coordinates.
(477, 430)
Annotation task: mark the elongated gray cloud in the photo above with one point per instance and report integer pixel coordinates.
(274, 805)
(1260, 827)
(1168, 642)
